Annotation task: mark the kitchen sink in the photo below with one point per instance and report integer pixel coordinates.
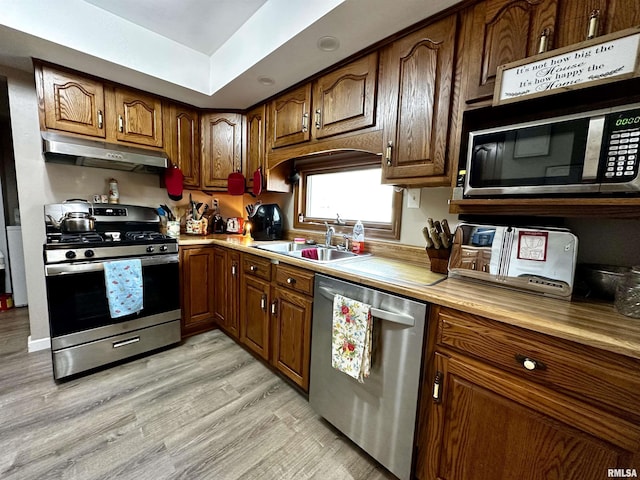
(312, 253)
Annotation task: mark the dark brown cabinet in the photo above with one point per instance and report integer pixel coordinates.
(345, 99)
(221, 148)
(183, 142)
(254, 305)
(292, 307)
(503, 31)
(71, 103)
(226, 290)
(289, 118)
(197, 267)
(500, 403)
(416, 91)
(574, 18)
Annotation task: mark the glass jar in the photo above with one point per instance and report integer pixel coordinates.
(627, 300)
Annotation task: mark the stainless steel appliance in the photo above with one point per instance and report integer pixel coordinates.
(92, 153)
(378, 415)
(539, 260)
(592, 152)
(83, 334)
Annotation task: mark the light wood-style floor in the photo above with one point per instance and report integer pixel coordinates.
(203, 410)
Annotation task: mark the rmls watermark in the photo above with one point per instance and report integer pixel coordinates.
(622, 473)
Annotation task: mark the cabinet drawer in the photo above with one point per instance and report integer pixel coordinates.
(295, 279)
(588, 373)
(257, 266)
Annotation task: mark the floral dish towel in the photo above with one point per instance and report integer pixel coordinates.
(123, 280)
(351, 337)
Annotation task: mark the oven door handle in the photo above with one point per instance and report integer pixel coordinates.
(75, 268)
(401, 318)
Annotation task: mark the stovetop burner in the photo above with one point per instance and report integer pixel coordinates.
(144, 236)
(88, 237)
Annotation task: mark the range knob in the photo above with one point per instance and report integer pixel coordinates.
(163, 248)
(89, 253)
(70, 254)
(150, 249)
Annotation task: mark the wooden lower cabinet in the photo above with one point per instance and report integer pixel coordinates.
(480, 422)
(226, 290)
(275, 316)
(197, 273)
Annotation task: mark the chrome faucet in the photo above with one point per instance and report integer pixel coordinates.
(329, 234)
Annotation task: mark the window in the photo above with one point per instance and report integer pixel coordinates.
(351, 189)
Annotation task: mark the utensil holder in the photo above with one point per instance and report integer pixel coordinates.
(439, 258)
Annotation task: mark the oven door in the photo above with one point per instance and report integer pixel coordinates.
(77, 300)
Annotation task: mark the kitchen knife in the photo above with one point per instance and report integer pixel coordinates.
(445, 227)
(437, 243)
(425, 233)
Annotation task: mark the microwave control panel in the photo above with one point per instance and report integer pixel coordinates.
(620, 146)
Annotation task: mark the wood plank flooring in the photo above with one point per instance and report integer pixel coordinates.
(203, 410)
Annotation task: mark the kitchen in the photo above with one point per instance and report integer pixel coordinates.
(51, 184)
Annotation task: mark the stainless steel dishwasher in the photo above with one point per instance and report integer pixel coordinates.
(379, 415)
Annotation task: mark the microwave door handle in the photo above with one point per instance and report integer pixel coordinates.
(594, 144)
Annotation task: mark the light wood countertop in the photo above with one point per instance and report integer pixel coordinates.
(591, 323)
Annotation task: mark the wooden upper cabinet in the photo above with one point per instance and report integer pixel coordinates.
(345, 99)
(289, 118)
(138, 118)
(183, 142)
(612, 16)
(504, 31)
(416, 91)
(256, 124)
(221, 148)
(72, 104)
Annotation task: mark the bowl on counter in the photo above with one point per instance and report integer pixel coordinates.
(600, 280)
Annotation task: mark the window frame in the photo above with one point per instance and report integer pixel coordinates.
(341, 163)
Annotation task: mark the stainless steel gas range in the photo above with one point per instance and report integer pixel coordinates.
(84, 335)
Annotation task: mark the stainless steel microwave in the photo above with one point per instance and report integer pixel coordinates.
(586, 153)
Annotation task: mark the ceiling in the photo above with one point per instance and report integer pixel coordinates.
(208, 53)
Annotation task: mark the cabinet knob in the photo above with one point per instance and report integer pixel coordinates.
(120, 123)
(530, 363)
(100, 119)
(234, 270)
(437, 382)
(274, 307)
(318, 118)
(263, 302)
(291, 280)
(305, 122)
(543, 44)
(253, 268)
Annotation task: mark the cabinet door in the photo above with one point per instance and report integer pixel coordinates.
(489, 425)
(138, 118)
(221, 148)
(613, 15)
(417, 86)
(345, 100)
(220, 287)
(504, 31)
(197, 266)
(256, 125)
(73, 104)
(292, 330)
(254, 324)
(233, 295)
(289, 118)
(183, 143)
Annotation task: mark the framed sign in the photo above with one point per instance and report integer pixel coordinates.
(601, 60)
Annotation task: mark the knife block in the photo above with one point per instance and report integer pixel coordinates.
(439, 259)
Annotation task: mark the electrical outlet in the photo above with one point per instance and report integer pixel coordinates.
(413, 198)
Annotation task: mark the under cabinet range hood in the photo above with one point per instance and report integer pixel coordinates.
(92, 153)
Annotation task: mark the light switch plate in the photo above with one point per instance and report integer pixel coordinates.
(413, 198)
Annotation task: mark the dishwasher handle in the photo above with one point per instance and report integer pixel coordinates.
(401, 318)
